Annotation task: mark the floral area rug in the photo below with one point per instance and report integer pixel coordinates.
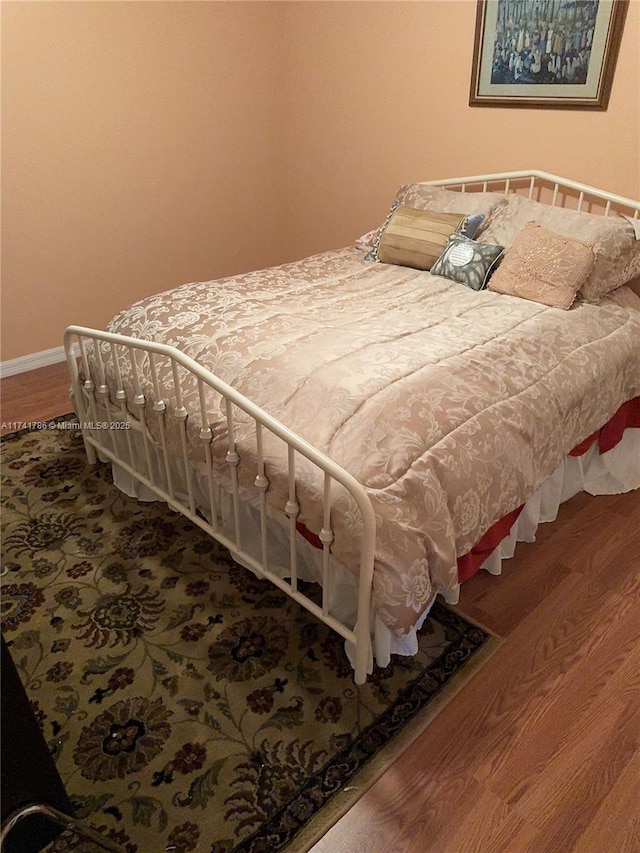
(189, 705)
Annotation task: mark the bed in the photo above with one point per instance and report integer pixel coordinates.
(366, 428)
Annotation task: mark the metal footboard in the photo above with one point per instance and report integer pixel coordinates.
(113, 403)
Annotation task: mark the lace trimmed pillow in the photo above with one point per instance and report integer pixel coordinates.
(614, 235)
(544, 267)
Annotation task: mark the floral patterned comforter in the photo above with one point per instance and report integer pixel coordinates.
(450, 406)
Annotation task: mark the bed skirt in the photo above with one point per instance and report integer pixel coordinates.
(596, 474)
(613, 472)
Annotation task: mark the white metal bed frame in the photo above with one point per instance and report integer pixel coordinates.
(93, 399)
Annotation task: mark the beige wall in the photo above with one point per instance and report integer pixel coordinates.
(147, 144)
(140, 150)
(378, 96)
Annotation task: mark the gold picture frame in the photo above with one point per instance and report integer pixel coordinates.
(558, 54)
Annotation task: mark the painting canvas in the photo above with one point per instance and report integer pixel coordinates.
(551, 53)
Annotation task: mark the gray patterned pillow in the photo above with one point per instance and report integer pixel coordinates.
(468, 262)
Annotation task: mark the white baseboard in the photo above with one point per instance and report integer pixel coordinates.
(31, 362)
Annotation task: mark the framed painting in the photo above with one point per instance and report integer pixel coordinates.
(546, 53)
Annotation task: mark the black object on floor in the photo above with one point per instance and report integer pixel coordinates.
(35, 805)
(28, 772)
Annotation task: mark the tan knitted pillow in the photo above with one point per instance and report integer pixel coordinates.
(544, 267)
(614, 236)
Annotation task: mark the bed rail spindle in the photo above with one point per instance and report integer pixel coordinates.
(159, 407)
(88, 383)
(87, 391)
(580, 200)
(180, 415)
(554, 200)
(121, 397)
(120, 392)
(607, 208)
(292, 509)
(233, 460)
(262, 484)
(326, 537)
(140, 402)
(103, 391)
(532, 185)
(205, 437)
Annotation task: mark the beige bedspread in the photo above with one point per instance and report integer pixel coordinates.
(450, 406)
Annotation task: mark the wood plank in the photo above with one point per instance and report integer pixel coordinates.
(576, 784)
(37, 395)
(508, 598)
(492, 825)
(616, 823)
(527, 671)
(607, 673)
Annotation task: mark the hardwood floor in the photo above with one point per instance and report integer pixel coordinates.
(34, 396)
(540, 752)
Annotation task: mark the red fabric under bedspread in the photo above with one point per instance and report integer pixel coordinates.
(628, 415)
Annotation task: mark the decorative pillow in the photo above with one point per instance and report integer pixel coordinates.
(367, 241)
(415, 238)
(632, 270)
(467, 261)
(428, 197)
(630, 273)
(544, 267)
(470, 225)
(424, 196)
(372, 254)
(614, 235)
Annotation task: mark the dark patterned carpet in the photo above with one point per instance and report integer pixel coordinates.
(189, 706)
